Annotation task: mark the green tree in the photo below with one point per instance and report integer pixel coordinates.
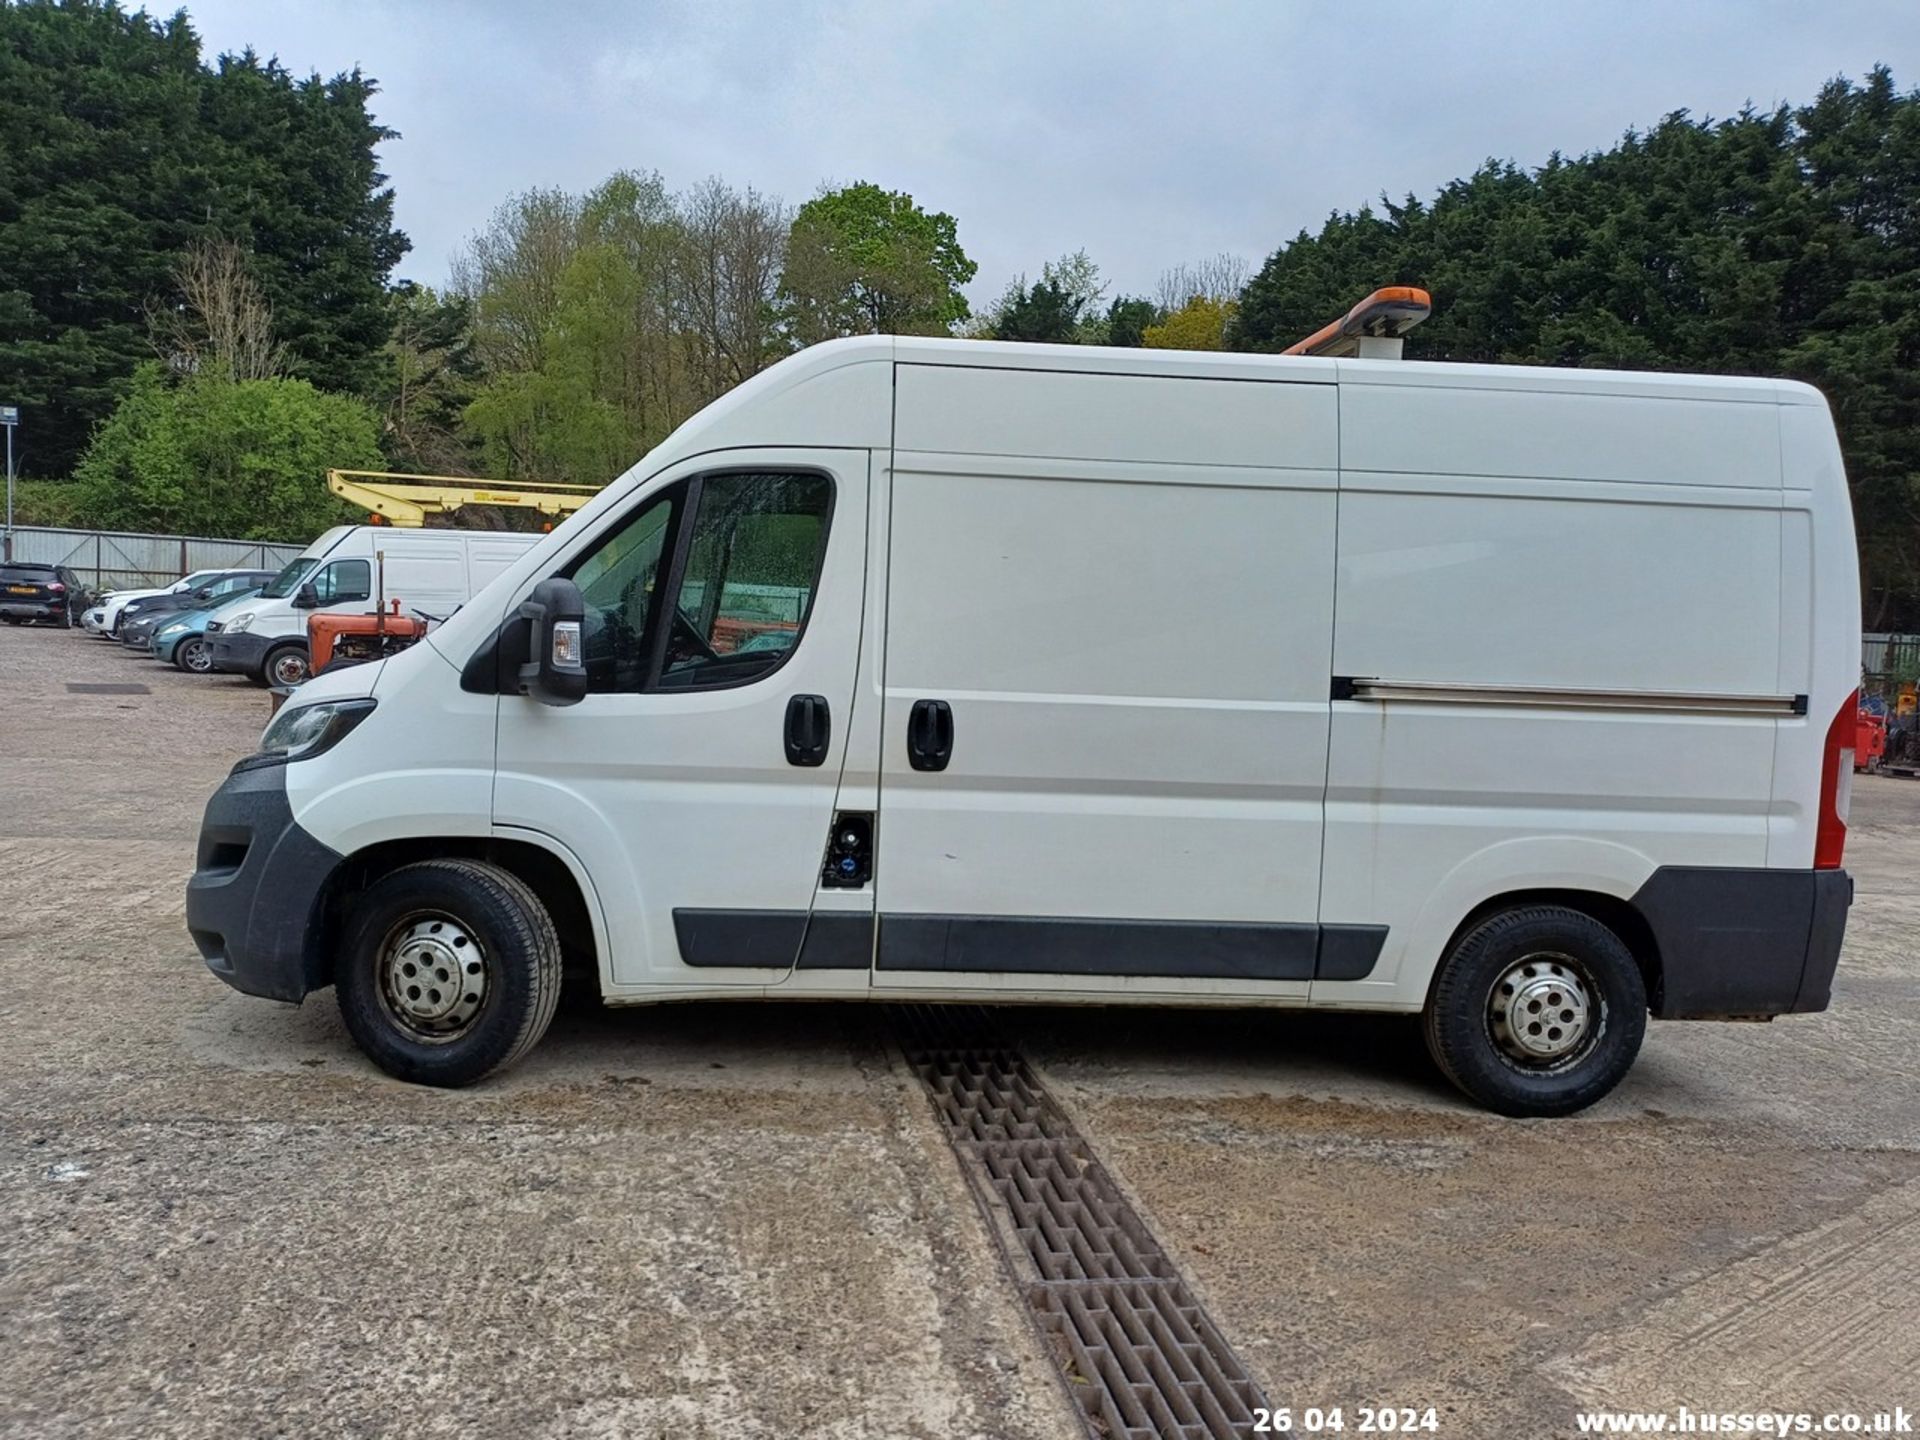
(429, 378)
(862, 261)
(119, 149)
(211, 456)
(602, 321)
(1200, 324)
(1127, 320)
(1047, 312)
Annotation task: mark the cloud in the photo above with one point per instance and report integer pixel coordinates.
(1149, 133)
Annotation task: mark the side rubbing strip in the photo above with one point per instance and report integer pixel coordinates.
(1027, 945)
(1426, 692)
(838, 940)
(1047, 945)
(749, 939)
(771, 939)
(1348, 952)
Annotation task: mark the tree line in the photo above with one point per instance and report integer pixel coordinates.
(198, 311)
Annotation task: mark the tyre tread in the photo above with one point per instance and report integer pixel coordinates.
(1454, 1002)
(532, 935)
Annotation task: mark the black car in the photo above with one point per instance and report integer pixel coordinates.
(50, 593)
(139, 618)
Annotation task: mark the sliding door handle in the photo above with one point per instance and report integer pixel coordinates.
(809, 729)
(930, 735)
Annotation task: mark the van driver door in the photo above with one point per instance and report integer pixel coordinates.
(695, 783)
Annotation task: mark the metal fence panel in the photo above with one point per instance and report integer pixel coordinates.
(108, 559)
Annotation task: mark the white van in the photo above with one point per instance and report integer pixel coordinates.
(432, 571)
(943, 670)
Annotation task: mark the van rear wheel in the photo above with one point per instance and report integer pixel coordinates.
(450, 971)
(1539, 1010)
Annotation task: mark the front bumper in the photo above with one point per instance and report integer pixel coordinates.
(164, 645)
(1738, 944)
(256, 886)
(242, 654)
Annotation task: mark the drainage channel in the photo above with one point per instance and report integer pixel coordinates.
(1139, 1354)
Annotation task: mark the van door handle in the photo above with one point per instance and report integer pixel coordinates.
(930, 735)
(809, 729)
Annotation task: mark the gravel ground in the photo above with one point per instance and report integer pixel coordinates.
(742, 1221)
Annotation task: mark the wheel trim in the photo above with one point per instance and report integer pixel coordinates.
(431, 976)
(1544, 1012)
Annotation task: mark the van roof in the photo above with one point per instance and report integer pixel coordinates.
(839, 393)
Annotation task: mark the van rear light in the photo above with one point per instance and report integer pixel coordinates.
(1836, 785)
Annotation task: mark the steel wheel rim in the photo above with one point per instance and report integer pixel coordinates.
(289, 669)
(1544, 1013)
(430, 973)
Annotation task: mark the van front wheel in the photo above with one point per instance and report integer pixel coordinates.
(450, 971)
(285, 665)
(1539, 1010)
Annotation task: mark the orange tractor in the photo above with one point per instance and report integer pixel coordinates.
(354, 639)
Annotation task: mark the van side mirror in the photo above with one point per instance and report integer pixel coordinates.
(555, 672)
(306, 597)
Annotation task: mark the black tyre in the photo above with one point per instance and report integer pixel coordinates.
(285, 665)
(14, 619)
(450, 971)
(193, 654)
(1539, 1010)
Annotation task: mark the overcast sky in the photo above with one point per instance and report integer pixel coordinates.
(1149, 133)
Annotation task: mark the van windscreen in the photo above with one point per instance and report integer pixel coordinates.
(284, 584)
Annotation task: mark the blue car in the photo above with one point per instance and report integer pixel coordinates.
(181, 640)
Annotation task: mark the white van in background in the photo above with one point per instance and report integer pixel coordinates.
(431, 571)
(935, 670)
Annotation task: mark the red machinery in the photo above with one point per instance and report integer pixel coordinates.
(352, 639)
(1869, 740)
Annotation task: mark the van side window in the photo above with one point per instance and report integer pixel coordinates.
(617, 579)
(747, 584)
(344, 580)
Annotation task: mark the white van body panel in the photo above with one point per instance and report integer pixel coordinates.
(436, 571)
(1139, 579)
(1126, 706)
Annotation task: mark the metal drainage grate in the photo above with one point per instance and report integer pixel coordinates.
(1139, 1355)
(85, 687)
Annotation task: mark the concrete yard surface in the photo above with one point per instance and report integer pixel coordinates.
(738, 1220)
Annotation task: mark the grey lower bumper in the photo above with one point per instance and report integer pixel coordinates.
(1736, 943)
(242, 654)
(257, 879)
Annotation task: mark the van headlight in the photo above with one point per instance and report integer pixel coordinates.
(299, 732)
(239, 622)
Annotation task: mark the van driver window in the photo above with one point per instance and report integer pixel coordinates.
(751, 567)
(344, 580)
(616, 581)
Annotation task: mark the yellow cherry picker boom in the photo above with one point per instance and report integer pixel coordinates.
(407, 500)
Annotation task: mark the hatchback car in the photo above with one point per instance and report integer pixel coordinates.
(48, 593)
(181, 640)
